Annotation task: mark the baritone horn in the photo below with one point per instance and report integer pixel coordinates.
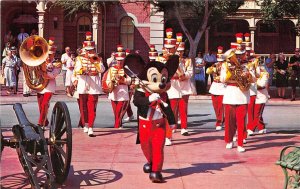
(34, 52)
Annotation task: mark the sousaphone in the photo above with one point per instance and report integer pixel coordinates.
(34, 52)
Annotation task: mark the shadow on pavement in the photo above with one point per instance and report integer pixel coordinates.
(269, 142)
(76, 179)
(199, 168)
(197, 139)
(91, 177)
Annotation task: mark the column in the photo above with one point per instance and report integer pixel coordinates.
(156, 28)
(95, 25)
(41, 7)
(297, 41)
(252, 32)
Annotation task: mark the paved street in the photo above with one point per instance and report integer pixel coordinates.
(277, 114)
(113, 160)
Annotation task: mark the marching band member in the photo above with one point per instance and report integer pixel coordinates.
(87, 79)
(119, 95)
(185, 70)
(129, 111)
(45, 95)
(260, 101)
(174, 93)
(236, 95)
(252, 65)
(153, 54)
(217, 89)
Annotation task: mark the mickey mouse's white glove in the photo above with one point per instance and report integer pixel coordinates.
(154, 97)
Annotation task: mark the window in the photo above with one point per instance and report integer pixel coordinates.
(83, 25)
(127, 32)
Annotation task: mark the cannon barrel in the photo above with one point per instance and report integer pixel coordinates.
(21, 115)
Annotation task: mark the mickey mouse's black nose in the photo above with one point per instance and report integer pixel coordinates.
(162, 85)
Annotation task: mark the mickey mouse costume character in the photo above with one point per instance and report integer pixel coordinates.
(154, 108)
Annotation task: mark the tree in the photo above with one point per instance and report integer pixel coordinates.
(280, 9)
(71, 7)
(204, 12)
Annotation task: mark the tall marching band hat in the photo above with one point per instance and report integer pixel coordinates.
(180, 46)
(220, 49)
(220, 57)
(88, 44)
(247, 37)
(52, 47)
(239, 37)
(179, 37)
(153, 53)
(127, 52)
(169, 42)
(88, 36)
(120, 54)
(169, 32)
(247, 42)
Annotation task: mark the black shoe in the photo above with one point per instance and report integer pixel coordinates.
(25, 95)
(293, 99)
(147, 168)
(156, 177)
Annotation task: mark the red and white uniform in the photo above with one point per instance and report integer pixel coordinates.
(88, 88)
(253, 92)
(217, 90)
(174, 95)
(260, 101)
(235, 102)
(186, 90)
(44, 97)
(119, 100)
(181, 89)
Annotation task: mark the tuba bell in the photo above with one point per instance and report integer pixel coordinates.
(34, 52)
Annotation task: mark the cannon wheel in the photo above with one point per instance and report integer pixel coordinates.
(60, 141)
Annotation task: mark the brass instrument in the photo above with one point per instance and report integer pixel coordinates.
(34, 52)
(237, 73)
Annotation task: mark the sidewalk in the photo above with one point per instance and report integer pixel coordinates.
(113, 160)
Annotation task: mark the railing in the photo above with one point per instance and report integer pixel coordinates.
(263, 57)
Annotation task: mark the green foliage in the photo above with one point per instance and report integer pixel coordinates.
(280, 9)
(71, 7)
(196, 8)
(276, 9)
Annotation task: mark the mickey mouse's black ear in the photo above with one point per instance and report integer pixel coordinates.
(133, 64)
(172, 64)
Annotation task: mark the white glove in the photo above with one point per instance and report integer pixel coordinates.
(154, 97)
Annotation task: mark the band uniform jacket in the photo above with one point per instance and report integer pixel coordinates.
(232, 94)
(50, 88)
(262, 96)
(87, 84)
(186, 84)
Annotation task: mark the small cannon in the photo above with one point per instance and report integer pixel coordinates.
(46, 161)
